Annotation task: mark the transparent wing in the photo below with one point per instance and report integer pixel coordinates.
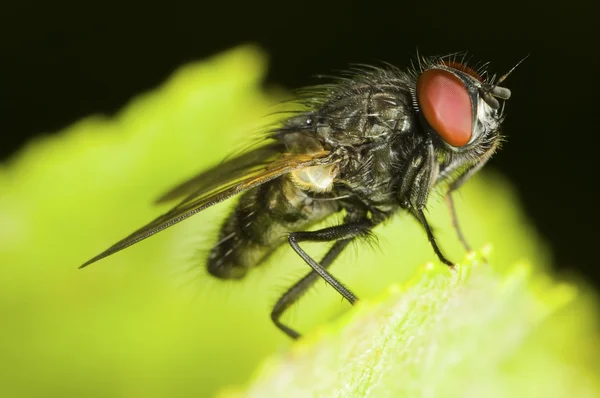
(209, 194)
(224, 173)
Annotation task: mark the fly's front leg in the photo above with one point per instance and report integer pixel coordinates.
(417, 187)
(455, 223)
(420, 216)
(457, 183)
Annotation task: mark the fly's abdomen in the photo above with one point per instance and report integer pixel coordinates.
(260, 223)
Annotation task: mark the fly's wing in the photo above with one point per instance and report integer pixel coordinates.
(224, 173)
(237, 181)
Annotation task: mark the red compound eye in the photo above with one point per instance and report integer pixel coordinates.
(446, 105)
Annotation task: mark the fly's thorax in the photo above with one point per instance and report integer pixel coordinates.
(372, 117)
(299, 135)
(318, 178)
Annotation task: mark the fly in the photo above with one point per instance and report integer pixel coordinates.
(370, 144)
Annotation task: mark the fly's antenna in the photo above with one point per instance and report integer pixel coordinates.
(504, 76)
(490, 96)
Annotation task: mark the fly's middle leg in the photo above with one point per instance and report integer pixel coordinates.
(294, 293)
(343, 235)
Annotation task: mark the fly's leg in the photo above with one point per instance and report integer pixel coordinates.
(294, 293)
(339, 232)
(455, 223)
(420, 216)
(460, 180)
(420, 177)
(343, 235)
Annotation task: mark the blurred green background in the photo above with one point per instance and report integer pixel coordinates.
(149, 322)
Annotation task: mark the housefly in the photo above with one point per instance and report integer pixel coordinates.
(371, 143)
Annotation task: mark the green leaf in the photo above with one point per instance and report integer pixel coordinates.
(467, 333)
(150, 322)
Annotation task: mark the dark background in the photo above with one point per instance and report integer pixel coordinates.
(60, 61)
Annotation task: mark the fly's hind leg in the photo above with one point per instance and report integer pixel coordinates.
(343, 235)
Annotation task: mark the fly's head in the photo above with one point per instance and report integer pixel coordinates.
(459, 108)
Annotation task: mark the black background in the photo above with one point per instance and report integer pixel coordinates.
(60, 61)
